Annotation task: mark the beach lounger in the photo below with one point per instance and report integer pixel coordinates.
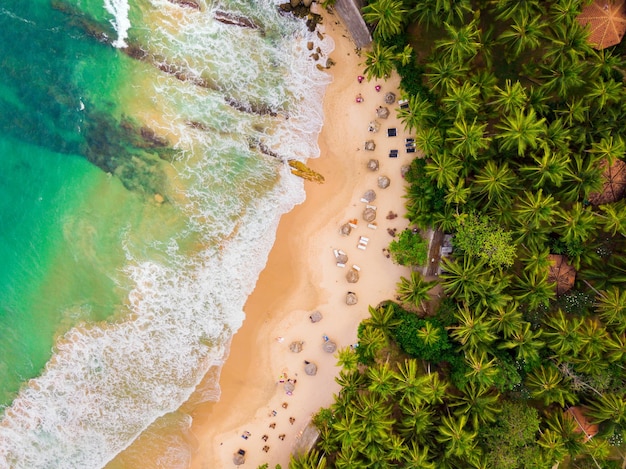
(362, 246)
(393, 155)
(392, 132)
(341, 252)
(363, 238)
(356, 267)
(410, 149)
(373, 226)
(409, 140)
(364, 200)
(404, 103)
(339, 264)
(373, 207)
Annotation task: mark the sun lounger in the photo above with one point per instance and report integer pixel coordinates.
(362, 246)
(404, 103)
(392, 132)
(410, 150)
(341, 252)
(373, 207)
(373, 226)
(393, 155)
(363, 238)
(409, 140)
(364, 200)
(339, 264)
(356, 267)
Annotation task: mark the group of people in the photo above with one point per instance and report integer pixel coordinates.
(359, 97)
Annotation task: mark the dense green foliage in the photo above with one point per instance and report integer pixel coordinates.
(518, 119)
(409, 249)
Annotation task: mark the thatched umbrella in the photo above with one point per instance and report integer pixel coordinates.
(329, 346)
(373, 165)
(370, 145)
(614, 187)
(351, 299)
(370, 196)
(239, 457)
(382, 112)
(390, 98)
(606, 21)
(310, 368)
(296, 347)
(369, 215)
(345, 230)
(289, 386)
(352, 276)
(404, 170)
(342, 258)
(561, 273)
(373, 126)
(383, 182)
(315, 316)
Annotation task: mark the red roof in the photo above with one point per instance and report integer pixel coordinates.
(606, 20)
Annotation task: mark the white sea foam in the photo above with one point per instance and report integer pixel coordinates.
(120, 21)
(106, 383)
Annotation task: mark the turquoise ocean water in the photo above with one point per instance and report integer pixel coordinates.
(142, 177)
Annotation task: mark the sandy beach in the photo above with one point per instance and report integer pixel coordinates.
(255, 413)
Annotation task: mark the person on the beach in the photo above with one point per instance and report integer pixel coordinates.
(377, 87)
(360, 78)
(359, 98)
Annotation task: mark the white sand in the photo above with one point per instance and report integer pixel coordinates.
(301, 276)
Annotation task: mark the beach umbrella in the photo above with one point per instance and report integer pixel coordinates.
(369, 215)
(370, 196)
(310, 369)
(296, 347)
(606, 21)
(373, 126)
(315, 316)
(345, 230)
(373, 165)
(390, 98)
(352, 276)
(289, 386)
(370, 145)
(239, 457)
(382, 112)
(342, 258)
(351, 299)
(329, 346)
(383, 182)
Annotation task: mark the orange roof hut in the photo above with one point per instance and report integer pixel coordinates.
(584, 425)
(614, 187)
(606, 20)
(561, 273)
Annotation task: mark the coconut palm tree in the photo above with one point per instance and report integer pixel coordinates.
(525, 33)
(611, 307)
(465, 280)
(462, 99)
(457, 440)
(442, 72)
(383, 318)
(511, 98)
(565, 11)
(417, 457)
(444, 169)
(562, 335)
(562, 77)
(417, 421)
(564, 425)
(468, 139)
(507, 319)
(537, 260)
(508, 9)
(481, 369)
(410, 385)
(351, 382)
(462, 43)
(616, 348)
(603, 92)
(347, 359)
(473, 331)
(381, 379)
(495, 182)
(577, 224)
(546, 384)
(310, 460)
(346, 429)
(609, 148)
(613, 218)
(379, 61)
(428, 139)
(388, 16)
(526, 342)
(548, 168)
(477, 401)
(417, 115)
(609, 407)
(371, 341)
(534, 289)
(553, 446)
(414, 290)
(583, 177)
(520, 130)
(535, 210)
(458, 194)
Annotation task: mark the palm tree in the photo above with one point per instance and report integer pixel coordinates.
(613, 219)
(534, 209)
(478, 402)
(347, 359)
(414, 290)
(346, 429)
(495, 182)
(525, 33)
(577, 224)
(538, 260)
(379, 61)
(444, 169)
(375, 419)
(609, 148)
(388, 16)
(526, 343)
(458, 442)
(603, 92)
(521, 130)
(563, 77)
(564, 425)
(583, 177)
(458, 194)
(610, 406)
(351, 382)
(347, 458)
(508, 9)
(417, 115)
(511, 98)
(507, 319)
(553, 446)
(310, 460)
(462, 100)
(371, 341)
(381, 379)
(416, 422)
(563, 335)
(417, 458)
(465, 280)
(428, 139)
(474, 331)
(593, 336)
(468, 139)
(443, 72)
(410, 385)
(482, 371)
(616, 348)
(565, 11)
(546, 384)
(548, 168)
(383, 318)
(535, 290)
(611, 306)
(462, 43)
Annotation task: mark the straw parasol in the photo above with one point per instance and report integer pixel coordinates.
(382, 112)
(345, 230)
(289, 386)
(373, 126)
(383, 182)
(310, 369)
(614, 187)
(315, 316)
(561, 273)
(369, 195)
(239, 457)
(373, 165)
(370, 145)
(342, 258)
(352, 276)
(390, 98)
(606, 20)
(369, 215)
(329, 346)
(351, 299)
(296, 347)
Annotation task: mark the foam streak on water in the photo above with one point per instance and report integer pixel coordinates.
(119, 9)
(108, 381)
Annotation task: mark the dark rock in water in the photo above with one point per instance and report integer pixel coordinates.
(294, 3)
(307, 3)
(186, 4)
(315, 57)
(234, 20)
(152, 138)
(329, 62)
(251, 108)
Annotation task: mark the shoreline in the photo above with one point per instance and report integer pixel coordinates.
(301, 276)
